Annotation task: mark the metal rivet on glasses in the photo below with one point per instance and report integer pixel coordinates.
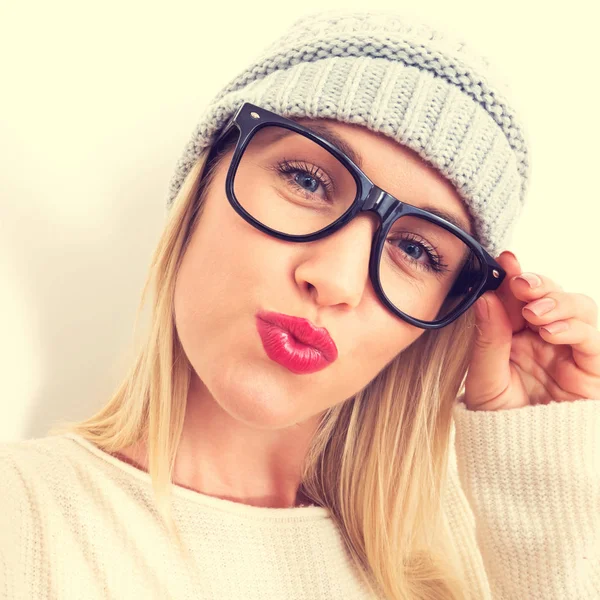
(495, 274)
(255, 115)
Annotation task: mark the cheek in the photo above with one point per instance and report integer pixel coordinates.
(220, 284)
(235, 254)
(386, 339)
(219, 253)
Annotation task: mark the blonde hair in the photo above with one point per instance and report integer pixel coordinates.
(378, 461)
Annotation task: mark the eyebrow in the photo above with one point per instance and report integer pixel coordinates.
(450, 217)
(327, 133)
(334, 138)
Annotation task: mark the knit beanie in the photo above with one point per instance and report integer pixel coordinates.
(424, 88)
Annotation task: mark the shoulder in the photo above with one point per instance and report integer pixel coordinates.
(36, 493)
(25, 464)
(55, 477)
(38, 458)
(30, 473)
(33, 472)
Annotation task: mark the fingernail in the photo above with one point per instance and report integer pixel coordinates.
(532, 279)
(542, 306)
(511, 254)
(556, 327)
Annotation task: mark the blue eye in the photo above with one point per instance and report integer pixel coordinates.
(307, 179)
(434, 261)
(305, 174)
(418, 247)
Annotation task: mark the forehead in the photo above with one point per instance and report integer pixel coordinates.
(396, 168)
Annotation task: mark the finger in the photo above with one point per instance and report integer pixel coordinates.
(535, 287)
(489, 367)
(528, 286)
(583, 338)
(574, 381)
(558, 306)
(512, 305)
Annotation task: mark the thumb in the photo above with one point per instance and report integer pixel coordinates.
(489, 368)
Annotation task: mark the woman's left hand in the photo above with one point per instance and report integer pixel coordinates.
(516, 362)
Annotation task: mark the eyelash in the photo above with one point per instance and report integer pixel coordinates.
(436, 265)
(287, 166)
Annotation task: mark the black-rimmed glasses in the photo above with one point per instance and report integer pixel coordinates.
(293, 184)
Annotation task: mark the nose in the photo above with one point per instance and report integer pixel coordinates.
(337, 266)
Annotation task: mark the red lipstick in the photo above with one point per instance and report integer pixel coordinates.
(295, 343)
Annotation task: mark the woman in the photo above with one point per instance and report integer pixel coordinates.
(290, 427)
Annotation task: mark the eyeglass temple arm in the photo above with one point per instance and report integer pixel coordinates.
(221, 136)
(494, 282)
(225, 130)
(229, 125)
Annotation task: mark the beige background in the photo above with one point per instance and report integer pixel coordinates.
(98, 101)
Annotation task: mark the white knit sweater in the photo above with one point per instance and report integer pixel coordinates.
(77, 523)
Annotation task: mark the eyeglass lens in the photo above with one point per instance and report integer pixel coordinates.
(291, 184)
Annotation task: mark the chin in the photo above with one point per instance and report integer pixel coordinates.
(258, 398)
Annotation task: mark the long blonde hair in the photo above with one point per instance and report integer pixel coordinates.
(378, 461)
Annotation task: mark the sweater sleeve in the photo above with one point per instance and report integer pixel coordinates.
(532, 478)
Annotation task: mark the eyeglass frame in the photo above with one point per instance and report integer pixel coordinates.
(250, 118)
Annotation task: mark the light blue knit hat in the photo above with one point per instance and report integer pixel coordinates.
(422, 87)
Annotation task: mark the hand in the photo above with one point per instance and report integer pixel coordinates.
(516, 362)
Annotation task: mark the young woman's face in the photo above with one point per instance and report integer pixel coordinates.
(231, 270)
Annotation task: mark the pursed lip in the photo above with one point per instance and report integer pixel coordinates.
(304, 331)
